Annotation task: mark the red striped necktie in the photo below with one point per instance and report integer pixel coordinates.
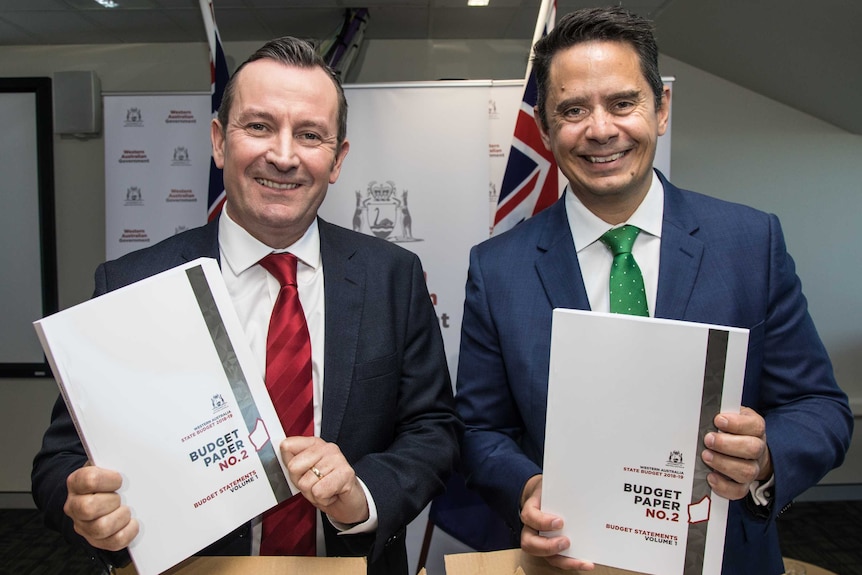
(289, 528)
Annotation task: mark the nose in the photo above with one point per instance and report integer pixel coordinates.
(282, 152)
(602, 127)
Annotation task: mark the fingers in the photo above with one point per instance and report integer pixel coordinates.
(550, 547)
(112, 532)
(746, 422)
(536, 521)
(92, 493)
(738, 454)
(726, 487)
(316, 467)
(96, 509)
(323, 475)
(540, 545)
(533, 517)
(570, 563)
(91, 479)
(728, 447)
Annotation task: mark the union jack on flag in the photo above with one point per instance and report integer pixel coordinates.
(218, 80)
(530, 182)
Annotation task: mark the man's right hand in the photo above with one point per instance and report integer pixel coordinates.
(96, 509)
(535, 521)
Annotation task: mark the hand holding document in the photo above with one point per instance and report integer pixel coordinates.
(162, 387)
(630, 400)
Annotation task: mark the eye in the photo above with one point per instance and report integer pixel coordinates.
(623, 106)
(574, 113)
(256, 127)
(309, 138)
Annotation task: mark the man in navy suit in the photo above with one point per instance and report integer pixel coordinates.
(601, 108)
(386, 431)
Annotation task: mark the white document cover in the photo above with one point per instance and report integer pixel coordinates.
(630, 400)
(162, 386)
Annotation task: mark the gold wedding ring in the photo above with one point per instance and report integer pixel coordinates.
(317, 472)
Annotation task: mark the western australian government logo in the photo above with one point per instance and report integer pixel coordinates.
(384, 212)
(134, 196)
(134, 118)
(181, 157)
(218, 403)
(674, 459)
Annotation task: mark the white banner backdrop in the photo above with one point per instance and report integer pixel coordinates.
(157, 156)
(416, 173)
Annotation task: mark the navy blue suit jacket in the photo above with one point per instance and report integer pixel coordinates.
(388, 402)
(720, 263)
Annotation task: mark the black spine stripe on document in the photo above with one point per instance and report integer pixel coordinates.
(238, 383)
(710, 405)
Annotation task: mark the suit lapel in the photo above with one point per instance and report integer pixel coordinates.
(344, 286)
(203, 244)
(681, 255)
(558, 267)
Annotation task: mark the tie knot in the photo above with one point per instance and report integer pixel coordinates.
(621, 240)
(282, 266)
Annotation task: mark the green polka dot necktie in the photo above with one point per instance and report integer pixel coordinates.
(626, 282)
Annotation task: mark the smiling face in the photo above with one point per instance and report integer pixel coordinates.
(279, 149)
(603, 126)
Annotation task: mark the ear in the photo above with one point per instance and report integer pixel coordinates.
(546, 139)
(663, 113)
(217, 137)
(339, 159)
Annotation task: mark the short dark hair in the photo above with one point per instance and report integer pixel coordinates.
(615, 24)
(292, 52)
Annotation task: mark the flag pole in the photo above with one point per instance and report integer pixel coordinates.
(209, 24)
(218, 80)
(539, 31)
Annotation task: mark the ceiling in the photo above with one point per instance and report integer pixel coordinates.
(804, 54)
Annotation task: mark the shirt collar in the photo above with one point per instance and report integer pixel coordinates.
(240, 250)
(587, 227)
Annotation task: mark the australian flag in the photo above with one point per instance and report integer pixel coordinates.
(218, 80)
(530, 182)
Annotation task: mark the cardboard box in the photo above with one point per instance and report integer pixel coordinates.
(516, 562)
(511, 561)
(263, 566)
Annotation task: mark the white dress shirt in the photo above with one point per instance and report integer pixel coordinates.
(253, 292)
(595, 258)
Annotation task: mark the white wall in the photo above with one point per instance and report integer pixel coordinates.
(727, 142)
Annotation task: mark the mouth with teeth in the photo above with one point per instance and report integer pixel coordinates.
(275, 185)
(605, 159)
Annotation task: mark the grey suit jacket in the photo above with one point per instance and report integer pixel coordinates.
(388, 401)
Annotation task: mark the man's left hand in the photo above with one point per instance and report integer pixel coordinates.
(320, 471)
(738, 453)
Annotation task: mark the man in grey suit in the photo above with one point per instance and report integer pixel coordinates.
(386, 433)
(601, 109)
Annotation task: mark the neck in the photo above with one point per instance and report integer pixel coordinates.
(613, 210)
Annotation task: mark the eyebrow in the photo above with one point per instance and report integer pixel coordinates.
(254, 114)
(634, 93)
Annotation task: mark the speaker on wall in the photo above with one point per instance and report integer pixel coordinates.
(77, 103)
